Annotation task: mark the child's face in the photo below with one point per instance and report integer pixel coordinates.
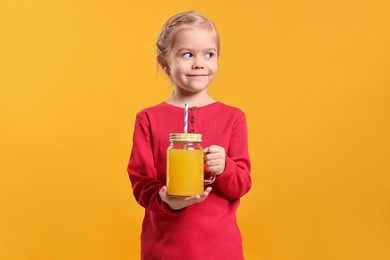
(193, 59)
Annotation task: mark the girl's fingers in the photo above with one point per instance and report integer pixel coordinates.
(214, 156)
(201, 197)
(182, 202)
(163, 192)
(214, 163)
(214, 149)
(205, 194)
(207, 191)
(215, 169)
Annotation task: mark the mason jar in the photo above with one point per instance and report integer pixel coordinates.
(185, 165)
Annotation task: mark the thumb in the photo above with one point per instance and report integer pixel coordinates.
(163, 193)
(163, 190)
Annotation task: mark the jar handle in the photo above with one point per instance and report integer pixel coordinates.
(210, 180)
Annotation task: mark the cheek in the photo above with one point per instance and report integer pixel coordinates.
(214, 67)
(180, 66)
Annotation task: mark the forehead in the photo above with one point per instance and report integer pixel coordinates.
(196, 38)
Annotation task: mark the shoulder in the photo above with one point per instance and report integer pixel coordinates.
(159, 113)
(223, 114)
(161, 108)
(230, 110)
(151, 109)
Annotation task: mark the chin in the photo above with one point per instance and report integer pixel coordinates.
(196, 89)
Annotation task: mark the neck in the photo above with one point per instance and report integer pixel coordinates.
(199, 99)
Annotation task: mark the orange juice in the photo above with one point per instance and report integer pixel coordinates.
(185, 172)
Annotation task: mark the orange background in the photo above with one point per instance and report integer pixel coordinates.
(312, 76)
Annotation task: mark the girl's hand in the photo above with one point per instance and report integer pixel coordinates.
(177, 203)
(215, 158)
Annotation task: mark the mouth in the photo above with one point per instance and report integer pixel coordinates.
(197, 75)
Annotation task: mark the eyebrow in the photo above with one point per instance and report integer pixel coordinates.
(189, 49)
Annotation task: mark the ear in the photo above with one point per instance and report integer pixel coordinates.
(162, 61)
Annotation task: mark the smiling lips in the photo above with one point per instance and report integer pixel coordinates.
(197, 75)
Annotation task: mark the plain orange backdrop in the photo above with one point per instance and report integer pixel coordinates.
(312, 77)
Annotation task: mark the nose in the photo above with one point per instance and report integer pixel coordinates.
(198, 64)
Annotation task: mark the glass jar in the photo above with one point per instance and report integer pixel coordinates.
(185, 165)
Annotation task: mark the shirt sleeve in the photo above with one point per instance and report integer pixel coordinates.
(141, 169)
(235, 181)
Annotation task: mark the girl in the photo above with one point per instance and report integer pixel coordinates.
(203, 226)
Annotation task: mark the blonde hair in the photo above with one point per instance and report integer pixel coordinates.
(174, 24)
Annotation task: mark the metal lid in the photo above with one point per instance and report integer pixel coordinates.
(181, 137)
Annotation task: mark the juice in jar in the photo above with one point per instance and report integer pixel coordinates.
(185, 172)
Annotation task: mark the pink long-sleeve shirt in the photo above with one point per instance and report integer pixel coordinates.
(207, 230)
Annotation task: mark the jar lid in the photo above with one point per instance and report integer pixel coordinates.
(181, 137)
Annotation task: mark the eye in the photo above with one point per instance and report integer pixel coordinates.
(209, 55)
(187, 55)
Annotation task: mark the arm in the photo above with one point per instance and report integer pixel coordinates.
(235, 181)
(141, 170)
